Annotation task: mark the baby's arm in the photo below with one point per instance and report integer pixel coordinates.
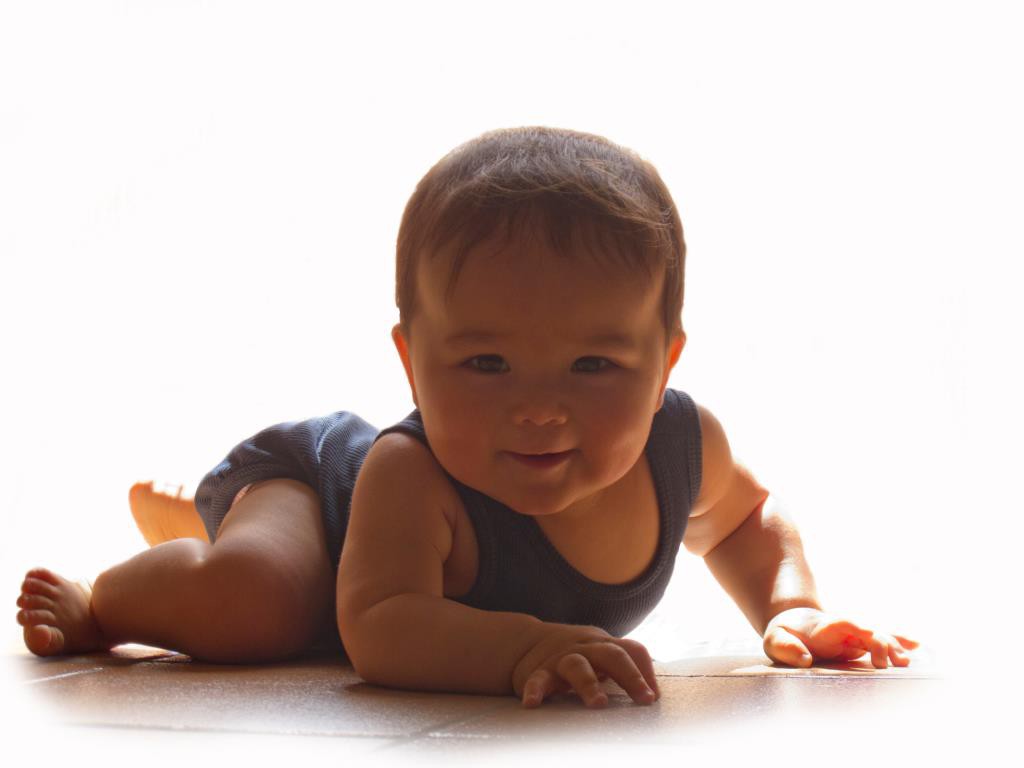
(400, 631)
(754, 551)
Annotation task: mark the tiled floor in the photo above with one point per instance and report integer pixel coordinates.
(717, 698)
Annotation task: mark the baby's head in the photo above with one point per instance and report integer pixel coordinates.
(540, 289)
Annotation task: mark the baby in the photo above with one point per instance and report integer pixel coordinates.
(507, 534)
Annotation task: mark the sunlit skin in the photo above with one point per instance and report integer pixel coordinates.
(545, 382)
(164, 516)
(538, 386)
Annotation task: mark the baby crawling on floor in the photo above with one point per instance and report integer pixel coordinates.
(506, 535)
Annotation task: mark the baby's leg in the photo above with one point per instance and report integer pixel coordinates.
(263, 591)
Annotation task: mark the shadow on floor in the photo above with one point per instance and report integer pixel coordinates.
(713, 697)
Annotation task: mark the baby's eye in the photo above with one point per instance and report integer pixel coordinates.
(594, 364)
(487, 364)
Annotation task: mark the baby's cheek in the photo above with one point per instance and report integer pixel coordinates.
(616, 442)
(461, 457)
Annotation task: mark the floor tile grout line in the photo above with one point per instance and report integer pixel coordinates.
(224, 730)
(62, 675)
(845, 676)
(425, 734)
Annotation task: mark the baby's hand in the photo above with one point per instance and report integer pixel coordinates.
(794, 636)
(579, 657)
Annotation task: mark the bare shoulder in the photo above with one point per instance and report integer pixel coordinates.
(400, 529)
(729, 491)
(403, 463)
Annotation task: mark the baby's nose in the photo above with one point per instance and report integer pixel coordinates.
(540, 413)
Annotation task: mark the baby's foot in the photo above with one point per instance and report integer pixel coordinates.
(57, 616)
(164, 515)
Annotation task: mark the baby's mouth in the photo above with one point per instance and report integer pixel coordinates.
(541, 460)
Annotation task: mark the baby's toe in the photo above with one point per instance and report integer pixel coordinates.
(44, 574)
(32, 618)
(139, 491)
(44, 640)
(35, 601)
(34, 586)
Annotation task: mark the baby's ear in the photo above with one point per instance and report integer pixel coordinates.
(402, 345)
(675, 349)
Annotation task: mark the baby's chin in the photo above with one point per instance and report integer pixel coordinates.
(520, 501)
(543, 498)
(534, 510)
(539, 503)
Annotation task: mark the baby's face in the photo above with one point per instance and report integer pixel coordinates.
(537, 354)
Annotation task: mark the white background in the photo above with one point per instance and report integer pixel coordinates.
(199, 202)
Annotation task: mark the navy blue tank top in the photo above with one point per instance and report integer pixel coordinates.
(519, 569)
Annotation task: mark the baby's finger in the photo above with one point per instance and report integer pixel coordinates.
(879, 653)
(617, 659)
(906, 642)
(538, 687)
(898, 656)
(575, 668)
(784, 647)
(642, 658)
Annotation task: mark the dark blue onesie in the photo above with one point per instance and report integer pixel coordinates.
(519, 569)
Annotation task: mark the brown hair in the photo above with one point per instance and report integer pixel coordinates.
(579, 189)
